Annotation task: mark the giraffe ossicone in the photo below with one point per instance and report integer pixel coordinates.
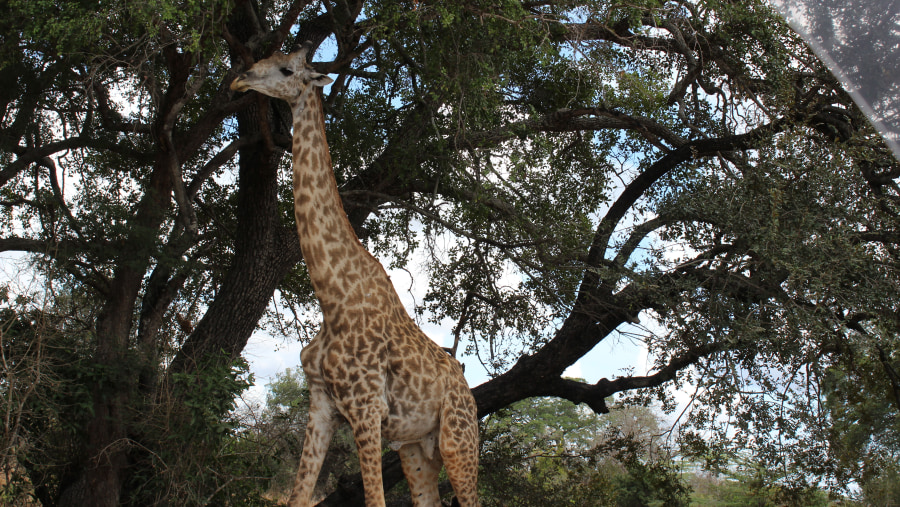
(369, 363)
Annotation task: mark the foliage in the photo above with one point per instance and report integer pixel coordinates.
(883, 489)
(863, 429)
(204, 460)
(44, 393)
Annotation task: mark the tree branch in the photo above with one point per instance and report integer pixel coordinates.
(646, 179)
(110, 118)
(217, 161)
(28, 156)
(891, 373)
(569, 120)
(39, 246)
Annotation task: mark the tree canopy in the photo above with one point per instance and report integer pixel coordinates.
(686, 168)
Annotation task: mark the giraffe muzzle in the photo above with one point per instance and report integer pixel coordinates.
(239, 85)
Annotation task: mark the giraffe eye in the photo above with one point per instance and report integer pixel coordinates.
(286, 72)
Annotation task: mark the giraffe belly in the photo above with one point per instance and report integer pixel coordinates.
(410, 420)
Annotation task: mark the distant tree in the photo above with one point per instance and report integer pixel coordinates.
(748, 491)
(882, 489)
(546, 451)
(863, 430)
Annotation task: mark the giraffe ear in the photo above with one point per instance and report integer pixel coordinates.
(320, 80)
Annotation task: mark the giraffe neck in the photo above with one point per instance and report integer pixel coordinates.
(336, 260)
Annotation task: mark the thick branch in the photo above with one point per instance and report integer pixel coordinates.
(28, 156)
(27, 245)
(622, 35)
(636, 237)
(594, 395)
(379, 197)
(110, 118)
(891, 373)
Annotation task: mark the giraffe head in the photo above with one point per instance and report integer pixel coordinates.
(283, 76)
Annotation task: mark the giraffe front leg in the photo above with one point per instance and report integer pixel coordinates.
(366, 424)
(319, 429)
(421, 473)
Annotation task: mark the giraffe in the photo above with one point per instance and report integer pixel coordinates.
(369, 363)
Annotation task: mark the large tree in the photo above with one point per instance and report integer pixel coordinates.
(686, 168)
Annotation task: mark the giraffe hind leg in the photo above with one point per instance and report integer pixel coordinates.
(421, 474)
(459, 449)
